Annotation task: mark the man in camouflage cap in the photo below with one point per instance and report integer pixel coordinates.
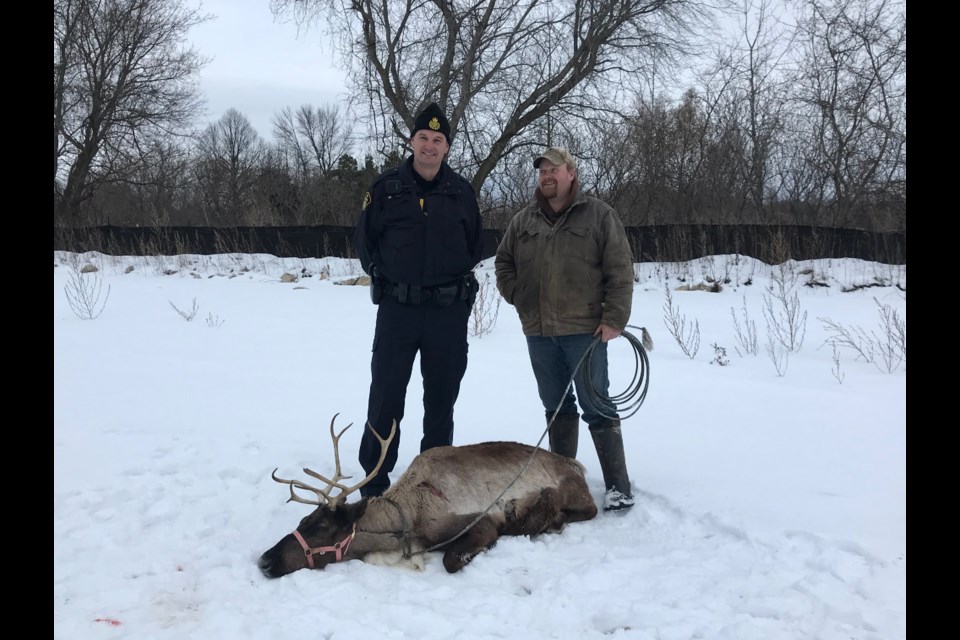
(566, 266)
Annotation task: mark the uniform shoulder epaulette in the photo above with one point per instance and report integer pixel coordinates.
(383, 176)
(376, 186)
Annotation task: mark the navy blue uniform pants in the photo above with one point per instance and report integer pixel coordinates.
(439, 335)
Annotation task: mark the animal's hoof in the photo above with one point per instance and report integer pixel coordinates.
(453, 562)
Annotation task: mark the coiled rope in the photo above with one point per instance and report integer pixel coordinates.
(636, 390)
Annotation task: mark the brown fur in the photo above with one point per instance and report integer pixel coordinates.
(443, 491)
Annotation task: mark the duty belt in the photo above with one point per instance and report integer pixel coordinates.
(439, 296)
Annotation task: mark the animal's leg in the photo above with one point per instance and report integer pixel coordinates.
(578, 504)
(462, 550)
(536, 516)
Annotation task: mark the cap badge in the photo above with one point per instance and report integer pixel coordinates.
(434, 124)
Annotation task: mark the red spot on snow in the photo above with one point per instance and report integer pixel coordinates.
(110, 621)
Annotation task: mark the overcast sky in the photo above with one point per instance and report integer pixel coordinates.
(260, 64)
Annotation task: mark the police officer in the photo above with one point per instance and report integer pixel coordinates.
(419, 236)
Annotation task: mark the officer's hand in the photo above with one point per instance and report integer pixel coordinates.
(606, 332)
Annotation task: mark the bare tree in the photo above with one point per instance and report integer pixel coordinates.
(747, 83)
(317, 137)
(510, 76)
(162, 186)
(646, 198)
(154, 194)
(775, 131)
(121, 79)
(230, 156)
(666, 167)
(312, 143)
(852, 84)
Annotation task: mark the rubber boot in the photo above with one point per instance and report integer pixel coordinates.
(564, 433)
(608, 439)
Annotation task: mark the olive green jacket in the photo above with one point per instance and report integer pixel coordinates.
(569, 277)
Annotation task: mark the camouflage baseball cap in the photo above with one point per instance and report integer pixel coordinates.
(557, 156)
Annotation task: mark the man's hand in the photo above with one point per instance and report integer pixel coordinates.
(607, 333)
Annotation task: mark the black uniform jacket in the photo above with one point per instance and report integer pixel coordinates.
(424, 246)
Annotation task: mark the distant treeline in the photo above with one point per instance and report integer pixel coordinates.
(771, 244)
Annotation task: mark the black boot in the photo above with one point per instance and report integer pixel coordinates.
(608, 440)
(564, 433)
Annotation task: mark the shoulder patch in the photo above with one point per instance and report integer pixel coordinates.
(366, 201)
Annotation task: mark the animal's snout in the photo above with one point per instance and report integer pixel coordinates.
(266, 566)
(282, 558)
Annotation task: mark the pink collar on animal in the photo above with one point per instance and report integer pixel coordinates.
(339, 548)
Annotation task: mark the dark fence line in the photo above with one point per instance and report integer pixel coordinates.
(771, 244)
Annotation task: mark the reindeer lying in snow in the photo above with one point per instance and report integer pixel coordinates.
(446, 500)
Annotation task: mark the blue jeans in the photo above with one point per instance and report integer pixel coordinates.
(554, 359)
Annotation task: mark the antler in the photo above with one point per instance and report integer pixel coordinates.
(324, 494)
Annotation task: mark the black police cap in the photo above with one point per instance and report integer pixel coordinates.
(432, 119)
